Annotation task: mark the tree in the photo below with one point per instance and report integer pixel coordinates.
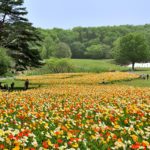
(66, 36)
(94, 51)
(77, 49)
(62, 51)
(49, 43)
(10, 12)
(24, 48)
(5, 61)
(98, 51)
(18, 35)
(48, 47)
(131, 48)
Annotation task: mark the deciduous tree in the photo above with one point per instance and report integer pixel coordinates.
(131, 48)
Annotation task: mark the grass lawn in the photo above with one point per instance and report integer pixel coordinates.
(89, 65)
(84, 65)
(136, 83)
(143, 71)
(19, 84)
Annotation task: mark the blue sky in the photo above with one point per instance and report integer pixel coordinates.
(70, 13)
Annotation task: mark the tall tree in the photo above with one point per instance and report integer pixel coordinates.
(11, 12)
(18, 35)
(77, 49)
(131, 48)
(24, 47)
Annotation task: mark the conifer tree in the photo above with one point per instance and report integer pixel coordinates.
(18, 35)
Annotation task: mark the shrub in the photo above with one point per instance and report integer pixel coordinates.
(59, 65)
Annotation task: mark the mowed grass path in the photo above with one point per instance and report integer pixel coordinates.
(136, 83)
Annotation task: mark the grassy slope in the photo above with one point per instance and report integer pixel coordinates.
(89, 65)
(86, 65)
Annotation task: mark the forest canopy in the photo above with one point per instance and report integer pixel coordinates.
(88, 42)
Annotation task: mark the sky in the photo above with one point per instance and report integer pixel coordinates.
(86, 13)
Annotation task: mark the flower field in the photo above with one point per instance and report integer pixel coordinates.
(80, 78)
(74, 112)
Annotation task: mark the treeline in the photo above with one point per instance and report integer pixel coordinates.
(86, 42)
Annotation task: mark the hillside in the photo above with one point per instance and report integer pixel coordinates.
(77, 65)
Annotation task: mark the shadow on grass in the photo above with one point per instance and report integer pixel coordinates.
(120, 81)
(19, 85)
(139, 82)
(71, 76)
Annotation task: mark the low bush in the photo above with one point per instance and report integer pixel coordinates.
(55, 65)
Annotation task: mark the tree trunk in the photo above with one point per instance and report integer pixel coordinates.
(133, 63)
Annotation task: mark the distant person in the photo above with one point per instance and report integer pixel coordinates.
(12, 86)
(6, 87)
(26, 84)
(103, 82)
(147, 76)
